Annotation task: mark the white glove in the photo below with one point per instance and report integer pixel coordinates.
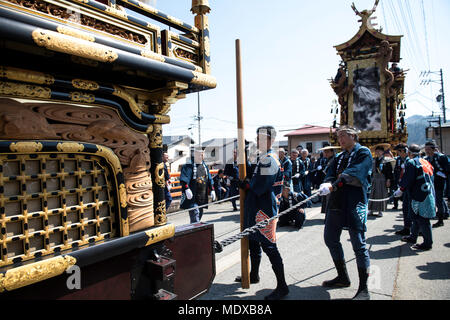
(441, 174)
(188, 193)
(324, 189)
(213, 195)
(398, 193)
(297, 176)
(306, 173)
(319, 168)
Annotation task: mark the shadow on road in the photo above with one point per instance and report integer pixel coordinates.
(435, 271)
(313, 222)
(234, 291)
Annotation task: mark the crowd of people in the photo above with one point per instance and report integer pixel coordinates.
(352, 185)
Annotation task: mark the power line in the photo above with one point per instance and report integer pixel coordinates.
(409, 34)
(414, 31)
(384, 16)
(426, 34)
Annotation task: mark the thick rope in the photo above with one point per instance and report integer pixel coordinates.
(218, 246)
(204, 205)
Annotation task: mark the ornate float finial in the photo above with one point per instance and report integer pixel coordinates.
(366, 14)
(200, 6)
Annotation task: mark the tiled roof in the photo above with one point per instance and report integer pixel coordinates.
(309, 130)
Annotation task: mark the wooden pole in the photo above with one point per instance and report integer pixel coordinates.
(242, 161)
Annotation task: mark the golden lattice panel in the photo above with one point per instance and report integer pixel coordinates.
(53, 202)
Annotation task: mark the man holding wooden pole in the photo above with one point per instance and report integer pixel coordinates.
(259, 200)
(261, 203)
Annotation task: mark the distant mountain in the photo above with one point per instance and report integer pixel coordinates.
(416, 125)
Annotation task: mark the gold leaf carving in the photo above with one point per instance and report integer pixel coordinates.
(25, 75)
(27, 147)
(111, 157)
(117, 12)
(156, 136)
(204, 79)
(162, 118)
(152, 55)
(122, 93)
(70, 147)
(159, 175)
(28, 274)
(70, 45)
(160, 233)
(123, 195)
(82, 97)
(75, 33)
(24, 90)
(160, 213)
(85, 84)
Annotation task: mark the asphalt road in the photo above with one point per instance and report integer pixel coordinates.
(397, 271)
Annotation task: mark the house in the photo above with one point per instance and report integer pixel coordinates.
(281, 144)
(309, 137)
(441, 136)
(178, 149)
(219, 151)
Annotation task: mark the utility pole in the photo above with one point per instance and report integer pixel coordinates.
(441, 97)
(199, 118)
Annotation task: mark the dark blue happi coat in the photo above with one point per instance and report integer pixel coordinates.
(186, 178)
(410, 182)
(262, 200)
(350, 200)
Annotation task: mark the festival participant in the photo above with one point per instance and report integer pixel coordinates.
(306, 177)
(319, 167)
(196, 183)
(261, 203)
(286, 165)
(329, 153)
(441, 168)
(289, 199)
(297, 170)
(348, 180)
(220, 185)
(399, 170)
(231, 170)
(382, 175)
(417, 182)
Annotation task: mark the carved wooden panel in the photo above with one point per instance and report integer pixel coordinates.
(93, 125)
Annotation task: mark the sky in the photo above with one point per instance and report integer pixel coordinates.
(288, 58)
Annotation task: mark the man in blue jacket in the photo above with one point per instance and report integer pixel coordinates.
(196, 185)
(419, 191)
(231, 170)
(261, 203)
(347, 180)
(441, 168)
(286, 165)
